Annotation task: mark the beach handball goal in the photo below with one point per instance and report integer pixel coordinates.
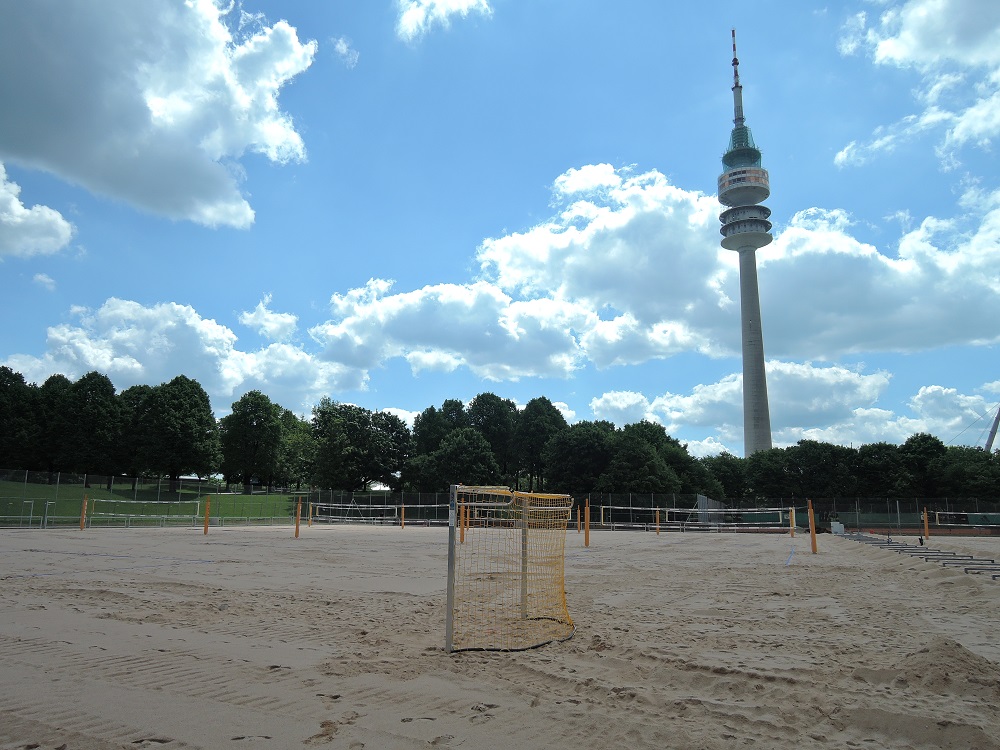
(506, 569)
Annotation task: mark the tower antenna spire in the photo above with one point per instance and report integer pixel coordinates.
(738, 119)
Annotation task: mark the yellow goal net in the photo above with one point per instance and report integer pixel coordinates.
(506, 571)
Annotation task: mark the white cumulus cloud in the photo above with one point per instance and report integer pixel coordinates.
(345, 51)
(273, 325)
(955, 47)
(25, 232)
(151, 103)
(133, 343)
(45, 281)
(445, 326)
(417, 16)
(829, 403)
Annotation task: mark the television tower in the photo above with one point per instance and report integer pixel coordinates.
(745, 229)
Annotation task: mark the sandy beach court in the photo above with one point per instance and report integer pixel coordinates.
(249, 638)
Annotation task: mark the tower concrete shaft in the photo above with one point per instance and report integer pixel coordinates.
(743, 185)
(756, 413)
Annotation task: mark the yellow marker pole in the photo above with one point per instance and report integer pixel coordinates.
(927, 525)
(298, 516)
(402, 516)
(812, 526)
(208, 505)
(461, 524)
(83, 514)
(791, 523)
(657, 521)
(586, 525)
(310, 514)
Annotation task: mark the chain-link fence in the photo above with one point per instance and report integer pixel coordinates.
(901, 514)
(51, 499)
(47, 499)
(41, 498)
(644, 510)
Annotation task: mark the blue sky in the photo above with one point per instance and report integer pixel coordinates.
(395, 202)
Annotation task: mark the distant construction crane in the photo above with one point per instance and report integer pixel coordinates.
(993, 431)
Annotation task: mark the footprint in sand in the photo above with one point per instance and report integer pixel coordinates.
(328, 729)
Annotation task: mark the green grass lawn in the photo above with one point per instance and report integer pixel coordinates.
(27, 503)
(31, 501)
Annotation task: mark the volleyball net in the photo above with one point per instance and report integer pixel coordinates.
(377, 510)
(698, 518)
(119, 512)
(506, 569)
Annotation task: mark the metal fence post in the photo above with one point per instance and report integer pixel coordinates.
(449, 619)
(526, 502)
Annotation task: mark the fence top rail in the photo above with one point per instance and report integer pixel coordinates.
(365, 506)
(782, 509)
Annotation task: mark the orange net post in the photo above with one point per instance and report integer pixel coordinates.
(812, 527)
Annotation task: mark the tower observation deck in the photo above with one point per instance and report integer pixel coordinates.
(746, 227)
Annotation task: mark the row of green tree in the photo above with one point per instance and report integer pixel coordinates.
(85, 426)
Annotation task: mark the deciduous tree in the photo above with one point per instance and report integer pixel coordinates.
(183, 434)
(250, 437)
(536, 425)
(636, 466)
(95, 425)
(19, 429)
(577, 457)
(56, 425)
(297, 452)
(731, 473)
(355, 447)
(496, 420)
(135, 443)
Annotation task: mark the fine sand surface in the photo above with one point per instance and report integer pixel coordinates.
(249, 638)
